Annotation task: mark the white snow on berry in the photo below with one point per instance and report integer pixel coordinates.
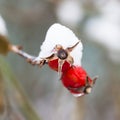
(78, 94)
(59, 34)
(3, 30)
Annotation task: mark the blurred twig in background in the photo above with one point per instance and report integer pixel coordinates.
(2, 96)
(22, 100)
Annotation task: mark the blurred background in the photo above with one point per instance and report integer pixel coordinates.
(31, 93)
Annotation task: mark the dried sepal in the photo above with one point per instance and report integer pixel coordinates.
(89, 85)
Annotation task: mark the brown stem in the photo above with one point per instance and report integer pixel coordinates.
(18, 50)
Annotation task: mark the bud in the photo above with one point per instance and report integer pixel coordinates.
(4, 45)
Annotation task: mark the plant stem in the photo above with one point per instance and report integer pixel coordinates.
(25, 105)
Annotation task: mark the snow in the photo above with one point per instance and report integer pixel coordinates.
(3, 30)
(59, 34)
(78, 95)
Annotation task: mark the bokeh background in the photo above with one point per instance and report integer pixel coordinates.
(31, 93)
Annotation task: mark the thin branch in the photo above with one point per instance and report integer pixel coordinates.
(25, 105)
(18, 50)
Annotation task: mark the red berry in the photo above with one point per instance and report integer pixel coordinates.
(75, 79)
(53, 64)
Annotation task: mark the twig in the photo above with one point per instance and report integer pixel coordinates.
(25, 105)
(18, 50)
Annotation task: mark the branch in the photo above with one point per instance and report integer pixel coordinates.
(23, 102)
(30, 59)
(6, 47)
(18, 50)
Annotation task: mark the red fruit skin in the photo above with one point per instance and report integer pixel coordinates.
(75, 78)
(53, 64)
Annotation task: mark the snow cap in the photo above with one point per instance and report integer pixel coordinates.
(59, 34)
